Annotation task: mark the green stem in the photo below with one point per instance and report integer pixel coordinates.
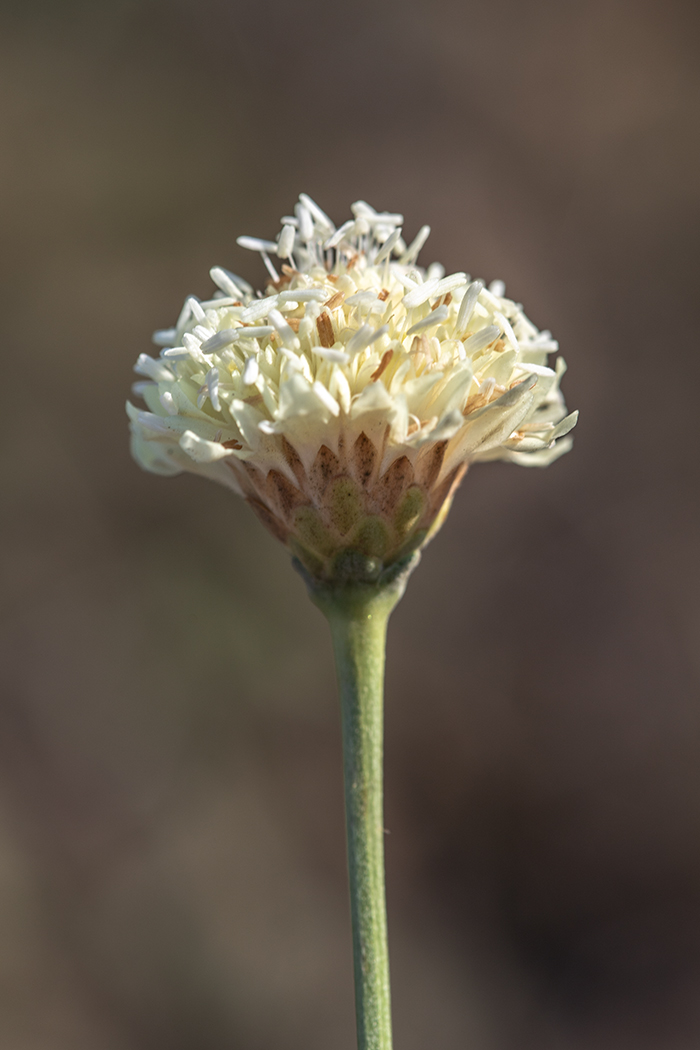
(359, 639)
(358, 615)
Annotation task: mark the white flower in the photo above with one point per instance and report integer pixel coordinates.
(346, 403)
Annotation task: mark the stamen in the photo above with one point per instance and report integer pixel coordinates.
(538, 370)
(283, 330)
(466, 308)
(319, 215)
(306, 226)
(362, 208)
(419, 295)
(193, 344)
(448, 284)
(543, 342)
(177, 353)
(388, 246)
(481, 339)
(435, 317)
(362, 298)
(269, 267)
(225, 282)
(364, 337)
(164, 336)
(195, 308)
(285, 245)
(340, 234)
(212, 382)
(184, 315)
(202, 332)
(405, 280)
(328, 354)
(251, 371)
(259, 308)
(152, 368)
(221, 302)
(490, 298)
(219, 340)
(254, 332)
(303, 295)
(256, 244)
(507, 329)
(413, 250)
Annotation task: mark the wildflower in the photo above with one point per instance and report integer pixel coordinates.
(346, 401)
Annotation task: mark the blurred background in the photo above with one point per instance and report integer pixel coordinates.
(172, 870)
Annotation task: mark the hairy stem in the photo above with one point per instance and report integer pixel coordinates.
(358, 614)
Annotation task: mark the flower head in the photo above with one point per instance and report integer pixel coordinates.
(346, 402)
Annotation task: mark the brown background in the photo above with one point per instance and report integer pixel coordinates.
(171, 841)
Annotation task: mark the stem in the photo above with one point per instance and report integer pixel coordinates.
(359, 641)
(358, 614)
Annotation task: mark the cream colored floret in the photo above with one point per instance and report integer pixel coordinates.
(347, 401)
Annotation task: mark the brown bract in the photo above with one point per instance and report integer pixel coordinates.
(342, 504)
